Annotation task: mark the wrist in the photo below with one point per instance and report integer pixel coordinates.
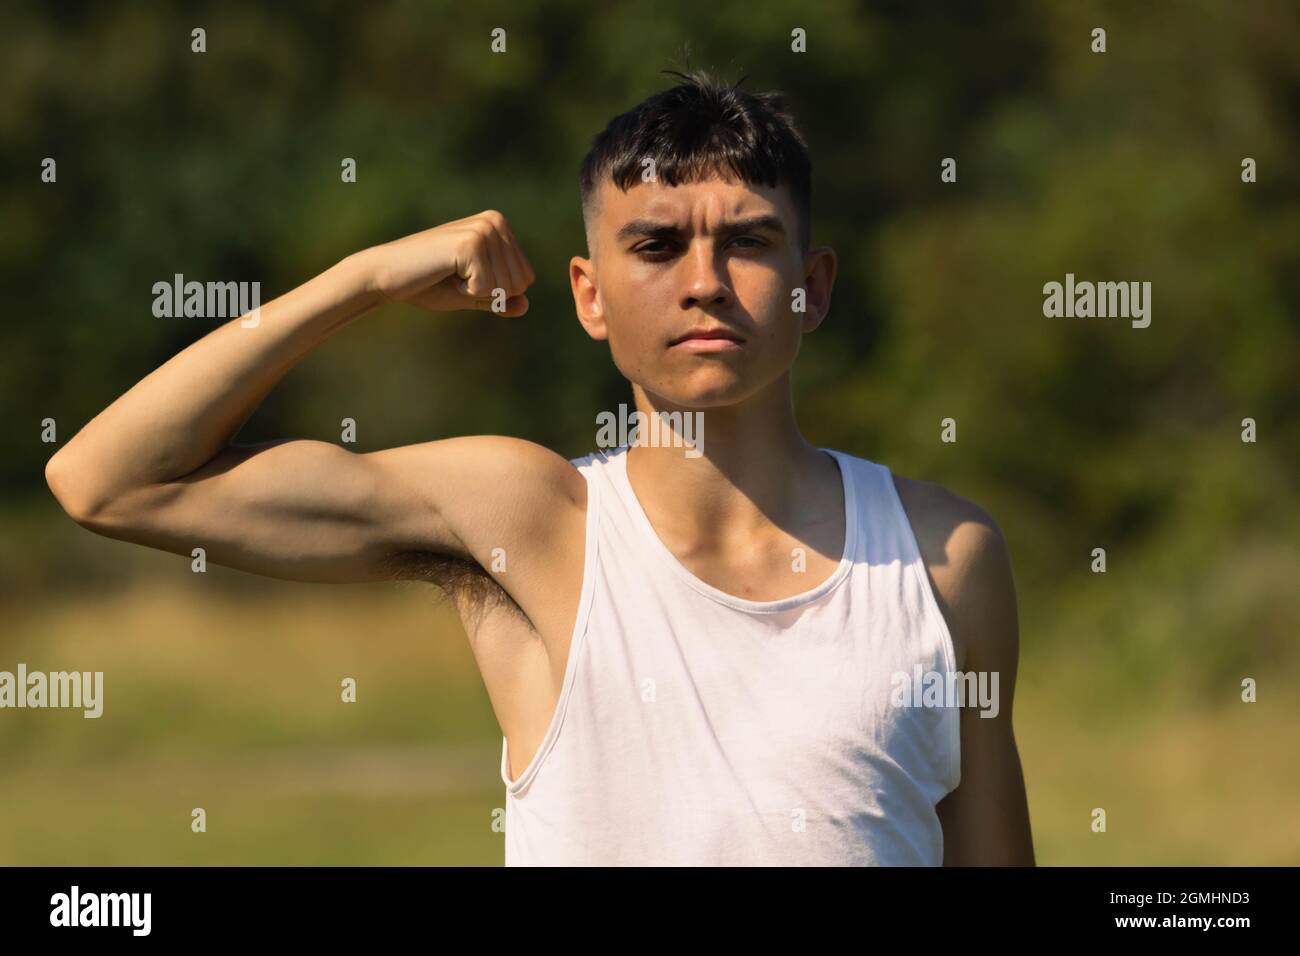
(357, 271)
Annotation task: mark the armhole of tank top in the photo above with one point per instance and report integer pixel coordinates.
(577, 641)
(917, 563)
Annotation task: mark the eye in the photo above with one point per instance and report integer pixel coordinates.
(645, 247)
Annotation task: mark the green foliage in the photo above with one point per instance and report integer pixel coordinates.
(1074, 433)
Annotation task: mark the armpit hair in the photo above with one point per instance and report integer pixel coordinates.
(462, 580)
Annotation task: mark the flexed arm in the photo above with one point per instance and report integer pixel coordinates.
(157, 467)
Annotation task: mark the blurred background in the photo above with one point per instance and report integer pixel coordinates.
(222, 690)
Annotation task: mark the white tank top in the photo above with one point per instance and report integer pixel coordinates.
(696, 728)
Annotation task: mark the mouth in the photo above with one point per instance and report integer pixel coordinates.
(707, 340)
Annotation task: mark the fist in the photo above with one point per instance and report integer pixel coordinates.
(470, 263)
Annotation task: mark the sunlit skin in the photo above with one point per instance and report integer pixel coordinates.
(159, 466)
(711, 254)
(722, 257)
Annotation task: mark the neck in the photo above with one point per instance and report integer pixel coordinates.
(754, 469)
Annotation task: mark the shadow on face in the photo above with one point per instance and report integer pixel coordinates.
(699, 287)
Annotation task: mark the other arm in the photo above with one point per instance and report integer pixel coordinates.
(986, 818)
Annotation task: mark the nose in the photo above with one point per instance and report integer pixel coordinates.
(706, 282)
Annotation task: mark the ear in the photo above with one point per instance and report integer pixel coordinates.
(586, 298)
(819, 267)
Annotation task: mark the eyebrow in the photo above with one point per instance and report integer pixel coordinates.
(658, 228)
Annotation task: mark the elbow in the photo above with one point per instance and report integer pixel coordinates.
(74, 489)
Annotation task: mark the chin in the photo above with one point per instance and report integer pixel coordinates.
(716, 388)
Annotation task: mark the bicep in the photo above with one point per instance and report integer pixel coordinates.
(297, 509)
(313, 511)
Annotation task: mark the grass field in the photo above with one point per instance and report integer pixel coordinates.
(232, 703)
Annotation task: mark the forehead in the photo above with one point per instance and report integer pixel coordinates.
(714, 199)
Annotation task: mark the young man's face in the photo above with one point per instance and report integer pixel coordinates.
(693, 286)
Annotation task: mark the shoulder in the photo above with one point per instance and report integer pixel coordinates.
(969, 565)
(513, 472)
(951, 530)
(490, 513)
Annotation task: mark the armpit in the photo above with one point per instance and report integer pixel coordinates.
(464, 581)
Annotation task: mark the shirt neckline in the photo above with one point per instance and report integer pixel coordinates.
(618, 461)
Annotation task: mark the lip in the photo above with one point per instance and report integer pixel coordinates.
(707, 340)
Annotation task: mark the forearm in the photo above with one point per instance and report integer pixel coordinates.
(186, 412)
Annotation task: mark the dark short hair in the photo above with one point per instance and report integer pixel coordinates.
(699, 129)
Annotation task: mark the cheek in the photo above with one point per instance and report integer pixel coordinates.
(781, 335)
(631, 346)
(767, 296)
(634, 320)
